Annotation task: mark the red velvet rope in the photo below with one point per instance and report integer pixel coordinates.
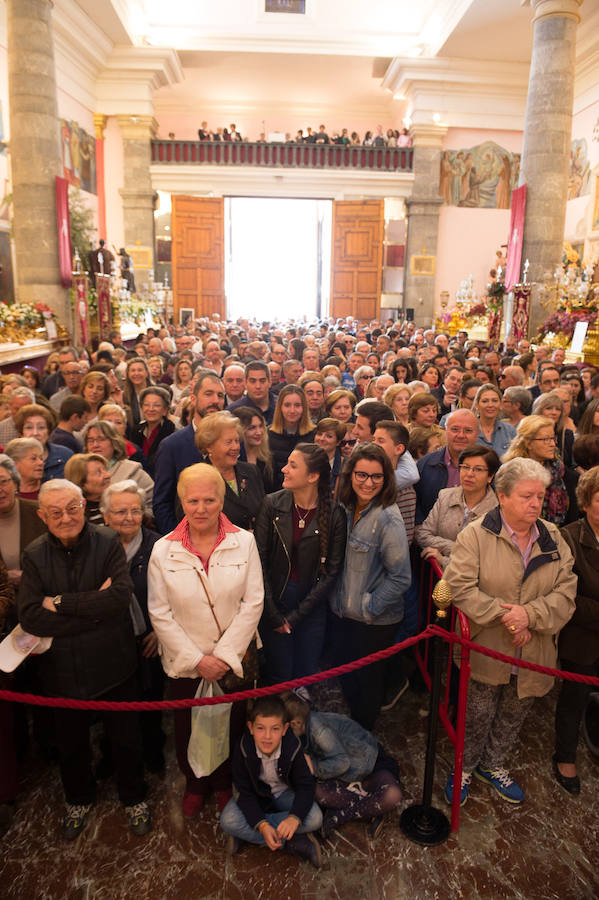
(430, 631)
(143, 705)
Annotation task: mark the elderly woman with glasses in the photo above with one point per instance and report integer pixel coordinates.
(19, 521)
(535, 439)
(511, 573)
(122, 506)
(456, 507)
(101, 437)
(368, 601)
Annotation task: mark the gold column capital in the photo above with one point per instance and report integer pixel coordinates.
(100, 124)
(544, 9)
(138, 127)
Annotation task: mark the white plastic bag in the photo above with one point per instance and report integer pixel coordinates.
(208, 744)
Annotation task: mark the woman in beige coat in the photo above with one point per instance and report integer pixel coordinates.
(458, 506)
(511, 574)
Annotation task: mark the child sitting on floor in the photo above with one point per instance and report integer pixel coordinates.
(356, 779)
(274, 788)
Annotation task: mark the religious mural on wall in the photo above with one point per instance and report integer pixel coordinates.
(580, 169)
(78, 156)
(482, 177)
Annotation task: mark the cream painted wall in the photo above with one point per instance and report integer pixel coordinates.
(114, 181)
(579, 211)
(468, 239)
(458, 138)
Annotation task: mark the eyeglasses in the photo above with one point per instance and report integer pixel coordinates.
(4, 482)
(348, 443)
(55, 515)
(475, 470)
(362, 477)
(547, 440)
(123, 513)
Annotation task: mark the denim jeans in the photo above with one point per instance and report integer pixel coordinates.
(233, 821)
(297, 654)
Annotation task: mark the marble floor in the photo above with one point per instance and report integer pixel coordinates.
(542, 850)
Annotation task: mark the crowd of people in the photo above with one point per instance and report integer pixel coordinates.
(227, 504)
(392, 137)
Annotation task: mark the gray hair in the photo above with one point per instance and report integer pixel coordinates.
(366, 371)
(7, 463)
(64, 350)
(23, 392)
(521, 396)
(18, 447)
(546, 401)
(59, 484)
(519, 469)
(128, 486)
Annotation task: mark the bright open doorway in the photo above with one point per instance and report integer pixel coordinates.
(277, 257)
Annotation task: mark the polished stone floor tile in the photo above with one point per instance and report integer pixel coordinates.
(545, 850)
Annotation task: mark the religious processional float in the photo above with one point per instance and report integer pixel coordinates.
(569, 296)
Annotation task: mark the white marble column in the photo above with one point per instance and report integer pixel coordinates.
(547, 137)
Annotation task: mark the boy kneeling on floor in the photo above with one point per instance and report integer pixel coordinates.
(273, 787)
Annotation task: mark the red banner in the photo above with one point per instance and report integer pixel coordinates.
(104, 307)
(81, 311)
(64, 230)
(514, 249)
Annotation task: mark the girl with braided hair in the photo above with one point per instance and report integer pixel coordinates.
(300, 534)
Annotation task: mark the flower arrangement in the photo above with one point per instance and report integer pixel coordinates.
(495, 295)
(26, 321)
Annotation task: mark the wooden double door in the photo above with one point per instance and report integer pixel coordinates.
(199, 267)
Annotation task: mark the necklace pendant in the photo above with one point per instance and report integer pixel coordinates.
(302, 523)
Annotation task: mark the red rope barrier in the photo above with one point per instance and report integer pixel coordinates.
(521, 663)
(144, 705)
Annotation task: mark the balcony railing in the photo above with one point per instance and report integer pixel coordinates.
(289, 156)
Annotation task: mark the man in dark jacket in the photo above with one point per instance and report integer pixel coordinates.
(76, 589)
(275, 788)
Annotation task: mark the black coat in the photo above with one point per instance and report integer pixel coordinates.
(94, 648)
(274, 536)
(138, 569)
(255, 796)
(242, 508)
(579, 638)
(165, 429)
(281, 445)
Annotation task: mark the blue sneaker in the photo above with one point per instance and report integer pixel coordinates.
(500, 780)
(466, 779)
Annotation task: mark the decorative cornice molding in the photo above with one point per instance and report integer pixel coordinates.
(130, 77)
(247, 181)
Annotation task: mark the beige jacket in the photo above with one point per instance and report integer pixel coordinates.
(179, 608)
(486, 570)
(446, 519)
(126, 468)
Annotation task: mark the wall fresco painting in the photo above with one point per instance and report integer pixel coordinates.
(78, 156)
(482, 177)
(580, 170)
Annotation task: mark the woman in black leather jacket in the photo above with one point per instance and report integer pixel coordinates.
(301, 535)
